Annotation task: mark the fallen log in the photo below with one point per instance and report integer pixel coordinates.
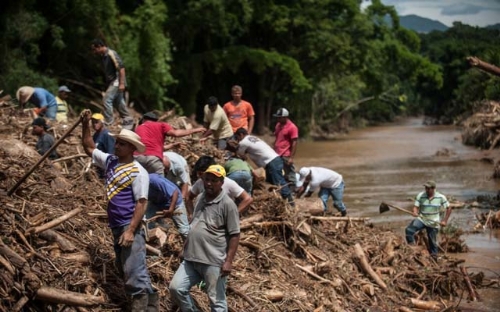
(62, 296)
(473, 295)
(355, 219)
(54, 222)
(274, 295)
(52, 236)
(242, 295)
(248, 222)
(316, 275)
(426, 305)
(20, 304)
(80, 257)
(365, 265)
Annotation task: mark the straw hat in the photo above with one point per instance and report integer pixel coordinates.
(23, 94)
(132, 138)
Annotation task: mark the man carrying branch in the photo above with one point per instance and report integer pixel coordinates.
(127, 185)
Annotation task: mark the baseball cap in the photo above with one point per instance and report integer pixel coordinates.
(430, 183)
(64, 89)
(303, 172)
(97, 116)
(39, 122)
(150, 116)
(216, 170)
(282, 112)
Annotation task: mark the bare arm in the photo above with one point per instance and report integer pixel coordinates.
(293, 149)
(121, 82)
(185, 190)
(415, 211)
(234, 240)
(170, 212)
(245, 201)
(87, 141)
(446, 216)
(251, 121)
(127, 237)
(184, 132)
(189, 205)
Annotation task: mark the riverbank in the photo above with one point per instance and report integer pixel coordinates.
(391, 162)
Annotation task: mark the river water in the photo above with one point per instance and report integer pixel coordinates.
(391, 162)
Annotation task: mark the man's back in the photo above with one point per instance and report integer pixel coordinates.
(152, 135)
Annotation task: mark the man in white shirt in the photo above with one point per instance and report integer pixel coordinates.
(328, 182)
(264, 156)
(232, 189)
(177, 171)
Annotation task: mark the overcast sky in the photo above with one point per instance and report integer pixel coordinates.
(473, 12)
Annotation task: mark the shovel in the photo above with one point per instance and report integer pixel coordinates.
(386, 207)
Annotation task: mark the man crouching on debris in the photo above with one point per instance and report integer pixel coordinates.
(210, 246)
(427, 209)
(127, 184)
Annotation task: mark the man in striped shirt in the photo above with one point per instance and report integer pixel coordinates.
(127, 187)
(429, 206)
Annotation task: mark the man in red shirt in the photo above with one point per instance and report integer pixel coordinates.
(239, 112)
(152, 134)
(285, 144)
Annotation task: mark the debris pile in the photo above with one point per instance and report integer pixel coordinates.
(56, 250)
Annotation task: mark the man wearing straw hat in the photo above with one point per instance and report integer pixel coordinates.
(127, 186)
(44, 101)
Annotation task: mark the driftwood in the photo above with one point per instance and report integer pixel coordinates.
(47, 153)
(53, 236)
(80, 257)
(473, 295)
(248, 222)
(426, 305)
(69, 157)
(71, 298)
(365, 265)
(54, 222)
(354, 219)
(487, 67)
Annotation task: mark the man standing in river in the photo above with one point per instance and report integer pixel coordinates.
(428, 208)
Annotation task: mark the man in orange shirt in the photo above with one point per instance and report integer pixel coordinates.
(239, 112)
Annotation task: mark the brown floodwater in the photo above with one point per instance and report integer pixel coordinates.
(391, 162)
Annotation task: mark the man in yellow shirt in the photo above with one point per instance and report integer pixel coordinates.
(216, 123)
(62, 105)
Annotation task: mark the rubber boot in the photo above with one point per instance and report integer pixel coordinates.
(139, 303)
(153, 303)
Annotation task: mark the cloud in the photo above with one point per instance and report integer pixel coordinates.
(461, 9)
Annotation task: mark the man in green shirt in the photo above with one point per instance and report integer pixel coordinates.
(428, 208)
(240, 172)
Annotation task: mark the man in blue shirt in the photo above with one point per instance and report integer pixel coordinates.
(165, 197)
(44, 101)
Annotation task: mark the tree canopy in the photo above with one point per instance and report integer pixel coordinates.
(324, 60)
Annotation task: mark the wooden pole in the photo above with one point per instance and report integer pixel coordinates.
(54, 222)
(47, 153)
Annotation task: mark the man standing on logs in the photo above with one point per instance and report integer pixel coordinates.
(210, 247)
(428, 208)
(286, 135)
(127, 186)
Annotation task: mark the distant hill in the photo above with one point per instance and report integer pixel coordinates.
(421, 24)
(494, 26)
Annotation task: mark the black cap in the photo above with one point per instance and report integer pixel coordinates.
(150, 116)
(39, 122)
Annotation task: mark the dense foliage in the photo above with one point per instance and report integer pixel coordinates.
(325, 60)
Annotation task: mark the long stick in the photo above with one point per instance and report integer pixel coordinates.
(47, 153)
(54, 222)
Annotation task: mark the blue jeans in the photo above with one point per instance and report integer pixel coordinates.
(114, 96)
(180, 217)
(131, 262)
(274, 175)
(336, 193)
(416, 226)
(243, 178)
(191, 273)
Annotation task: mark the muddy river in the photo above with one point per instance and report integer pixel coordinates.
(390, 163)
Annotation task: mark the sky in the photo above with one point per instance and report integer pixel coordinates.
(473, 12)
